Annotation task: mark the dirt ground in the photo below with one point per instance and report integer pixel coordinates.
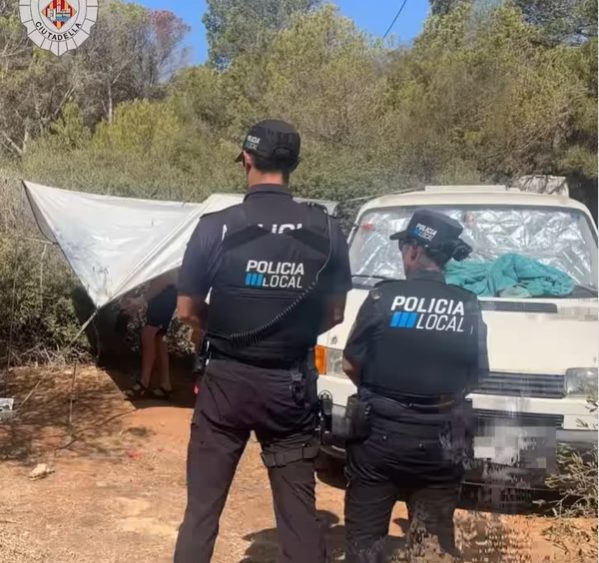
(117, 492)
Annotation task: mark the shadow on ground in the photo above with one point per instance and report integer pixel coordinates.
(81, 411)
(77, 413)
(125, 371)
(264, 547)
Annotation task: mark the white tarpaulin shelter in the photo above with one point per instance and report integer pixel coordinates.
(115, 244)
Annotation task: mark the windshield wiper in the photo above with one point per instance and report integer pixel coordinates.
(589, 288)
(372, 276)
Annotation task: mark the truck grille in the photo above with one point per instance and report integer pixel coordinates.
(485, 417)
(523, 385)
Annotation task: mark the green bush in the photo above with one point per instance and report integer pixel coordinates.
(39, 317)
(576, 483)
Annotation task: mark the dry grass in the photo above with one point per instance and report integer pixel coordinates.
(118, 491)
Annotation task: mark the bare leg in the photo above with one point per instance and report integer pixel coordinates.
(148, 353)
(163, 363)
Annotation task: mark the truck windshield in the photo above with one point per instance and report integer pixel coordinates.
(555, 236)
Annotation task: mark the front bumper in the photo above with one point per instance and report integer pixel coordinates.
(490, 465)
(577, 439)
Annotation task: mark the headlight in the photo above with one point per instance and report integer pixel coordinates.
(334, 363)
(581, 382)
(328, 361)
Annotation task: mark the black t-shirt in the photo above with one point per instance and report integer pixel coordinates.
(203, 254)
(419, 362)
(161, 307)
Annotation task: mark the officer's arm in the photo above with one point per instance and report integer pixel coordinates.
(480, 369)
(337, 281)
(359, 343)
(191, 311)
(334, 307)
(483, 353)
(352, 371)
(194, 277)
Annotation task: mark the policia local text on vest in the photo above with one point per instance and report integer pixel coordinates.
(278, 273)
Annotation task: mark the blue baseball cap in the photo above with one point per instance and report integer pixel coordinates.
(431, 229)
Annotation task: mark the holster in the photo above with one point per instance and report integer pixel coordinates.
(304, 385)
(283, 458)
(357, 419)
(457, 439)
(200, 361)
(325, 418)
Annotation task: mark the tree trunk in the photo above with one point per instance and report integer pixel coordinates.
(26, 138)
(110, 103)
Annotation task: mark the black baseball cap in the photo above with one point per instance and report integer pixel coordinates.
(272, 139)
(431, 229)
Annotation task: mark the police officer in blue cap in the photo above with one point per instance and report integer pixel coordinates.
(417, 348)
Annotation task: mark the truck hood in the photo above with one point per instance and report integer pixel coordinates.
(519, 340)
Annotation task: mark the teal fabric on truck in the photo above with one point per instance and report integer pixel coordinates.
(511, 275)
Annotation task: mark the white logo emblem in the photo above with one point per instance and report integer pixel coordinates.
(425, 232)
(252, 142)
(58, 25)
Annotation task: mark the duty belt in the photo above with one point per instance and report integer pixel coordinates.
(429, 404)
(216, 354)
(437, 402)
(411, 401)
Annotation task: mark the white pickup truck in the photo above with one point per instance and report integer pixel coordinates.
(542, 351)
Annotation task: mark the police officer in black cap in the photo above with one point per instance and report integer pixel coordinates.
(417, 348)
(278, 273)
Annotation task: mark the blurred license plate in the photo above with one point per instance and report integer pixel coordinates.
(508, 442)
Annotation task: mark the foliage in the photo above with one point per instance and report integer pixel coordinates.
(576, 478)
(487, 92)
(236, 27)
(478, 97)
(131, 51)
(39, 315)
(443, 7)
(571, 21)
(576, 481)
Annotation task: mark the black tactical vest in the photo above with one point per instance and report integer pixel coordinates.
(427, 340)
(264, 270)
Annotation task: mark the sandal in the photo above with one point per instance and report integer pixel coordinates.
(161, 393)
(138, 391)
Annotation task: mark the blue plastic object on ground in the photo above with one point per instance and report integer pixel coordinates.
(511, 275)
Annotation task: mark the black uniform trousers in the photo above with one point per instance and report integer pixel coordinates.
(411, 458)
(234, 399)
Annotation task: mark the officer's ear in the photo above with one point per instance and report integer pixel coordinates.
(411, 252)
(247, 160)
(416, 251)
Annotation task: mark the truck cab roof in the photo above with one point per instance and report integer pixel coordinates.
(472, 195)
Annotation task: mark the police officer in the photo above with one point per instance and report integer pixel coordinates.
(278, 273)
(416, 350)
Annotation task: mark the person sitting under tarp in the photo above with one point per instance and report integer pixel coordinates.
(511, 275)
(161, 297)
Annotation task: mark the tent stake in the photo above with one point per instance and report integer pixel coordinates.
(71, 394)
